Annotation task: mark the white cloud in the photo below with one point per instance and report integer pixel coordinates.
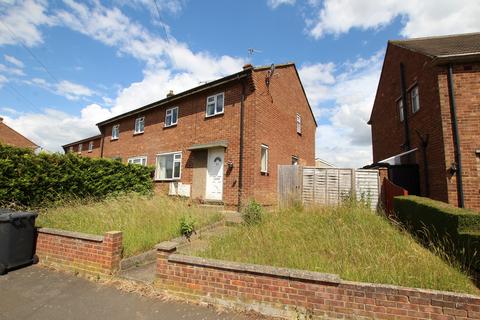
(276, 3)
(21, 21)
(65, 88)
(11, 70)
(3, 80)
(419, 18)
(13, 60)
(342, 104)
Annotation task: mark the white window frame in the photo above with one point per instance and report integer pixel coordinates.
(138, 121)
(298, 123)
(401, 112)
(167, 115)
(115, 132)
(173, 178)
(415, 99)
(80, 147)
(215, 103)
(90, 146)
(143, 160)
(262, 168)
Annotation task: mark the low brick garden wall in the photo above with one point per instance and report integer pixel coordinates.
(79, 252)
(291, 293)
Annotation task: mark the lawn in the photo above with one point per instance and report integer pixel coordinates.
(349, 240)
(145, 221)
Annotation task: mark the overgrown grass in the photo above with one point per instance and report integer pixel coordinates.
(145, 221)
(348, 240)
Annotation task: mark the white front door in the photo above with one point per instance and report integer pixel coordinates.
(214, 189)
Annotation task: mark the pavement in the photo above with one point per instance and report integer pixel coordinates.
(39, 293)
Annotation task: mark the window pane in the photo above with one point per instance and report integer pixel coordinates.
(168, 120)
(177, 169)
(210, 109)
(219, 103)
(400, 109)
(264, 159)
(161, 163)
(174, 115)
(169, 166)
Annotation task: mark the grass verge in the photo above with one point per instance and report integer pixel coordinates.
(348, 240)
(144, 221)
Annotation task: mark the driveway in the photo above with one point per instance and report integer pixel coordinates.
(39, 293)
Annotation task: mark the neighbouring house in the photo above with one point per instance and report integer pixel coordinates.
(89, 147)
(221, 141)
(320, 163)
(11, 137)
(426, 115)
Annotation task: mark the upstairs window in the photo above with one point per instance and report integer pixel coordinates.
(400, 110)
(90, 146)
(139, 125)
(415, 99)
(80, 148)
(70, 149)
(215, 104)
(115, 132)
(169, 166)
(138, 160)
(299, 123)
(264, 159)
(171, 117)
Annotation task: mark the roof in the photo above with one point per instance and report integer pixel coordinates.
(233, 77)
(214, 144)
(98, 136)
(12, 137)
(443, 47)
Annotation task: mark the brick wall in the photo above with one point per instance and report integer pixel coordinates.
(79, 252)
(95, 153)
(388, 133)
(287, 292)
(466, 78)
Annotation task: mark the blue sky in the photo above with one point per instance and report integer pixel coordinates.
(66, 65)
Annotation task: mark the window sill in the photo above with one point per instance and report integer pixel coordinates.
(170, 126)
(264, 173)
(138, 133)
(167, 180)
(89, 151)
(113, 139)
(214, 115)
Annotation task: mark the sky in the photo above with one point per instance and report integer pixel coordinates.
(67, 65)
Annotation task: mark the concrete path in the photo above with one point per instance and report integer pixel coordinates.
(38, 293)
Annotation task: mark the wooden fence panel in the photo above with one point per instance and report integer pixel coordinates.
(326, 185)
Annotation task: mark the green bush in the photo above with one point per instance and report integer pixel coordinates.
(455, 230)
(187, 226)
(252, 213)
(30, 180)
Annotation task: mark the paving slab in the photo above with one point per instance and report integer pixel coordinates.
(38, 293)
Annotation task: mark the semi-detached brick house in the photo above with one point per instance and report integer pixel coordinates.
(434, 116)
(221, 141)
(11, 137)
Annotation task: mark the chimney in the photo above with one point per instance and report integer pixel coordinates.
(247, 66)
(1, 119)
(170, 94)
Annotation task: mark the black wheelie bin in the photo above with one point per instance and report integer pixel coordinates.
(17, 239)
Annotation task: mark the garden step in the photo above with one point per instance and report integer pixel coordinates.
(143, 273)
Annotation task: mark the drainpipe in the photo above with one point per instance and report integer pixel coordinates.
(456, 137)
(406, 144)
(101, 142)
(240, 161)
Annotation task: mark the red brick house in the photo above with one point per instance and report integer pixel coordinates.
(11, 137)
(427, 112)
(221, 141)
(89, 147)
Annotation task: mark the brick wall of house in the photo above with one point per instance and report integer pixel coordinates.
(466, 79)
(79, 252)
(292, 293)
(95, 153)
(276, 107)
(192, 128)
(388, 134)
(11, 137)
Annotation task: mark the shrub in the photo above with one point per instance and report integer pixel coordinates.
(187, 226)
(30, 180)
(252, 213)
(455, 230)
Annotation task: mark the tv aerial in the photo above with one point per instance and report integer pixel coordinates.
(252, 51)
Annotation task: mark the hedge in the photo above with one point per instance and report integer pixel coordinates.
(454, 229)
(34, 180)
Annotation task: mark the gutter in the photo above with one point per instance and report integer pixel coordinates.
(456, 137)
